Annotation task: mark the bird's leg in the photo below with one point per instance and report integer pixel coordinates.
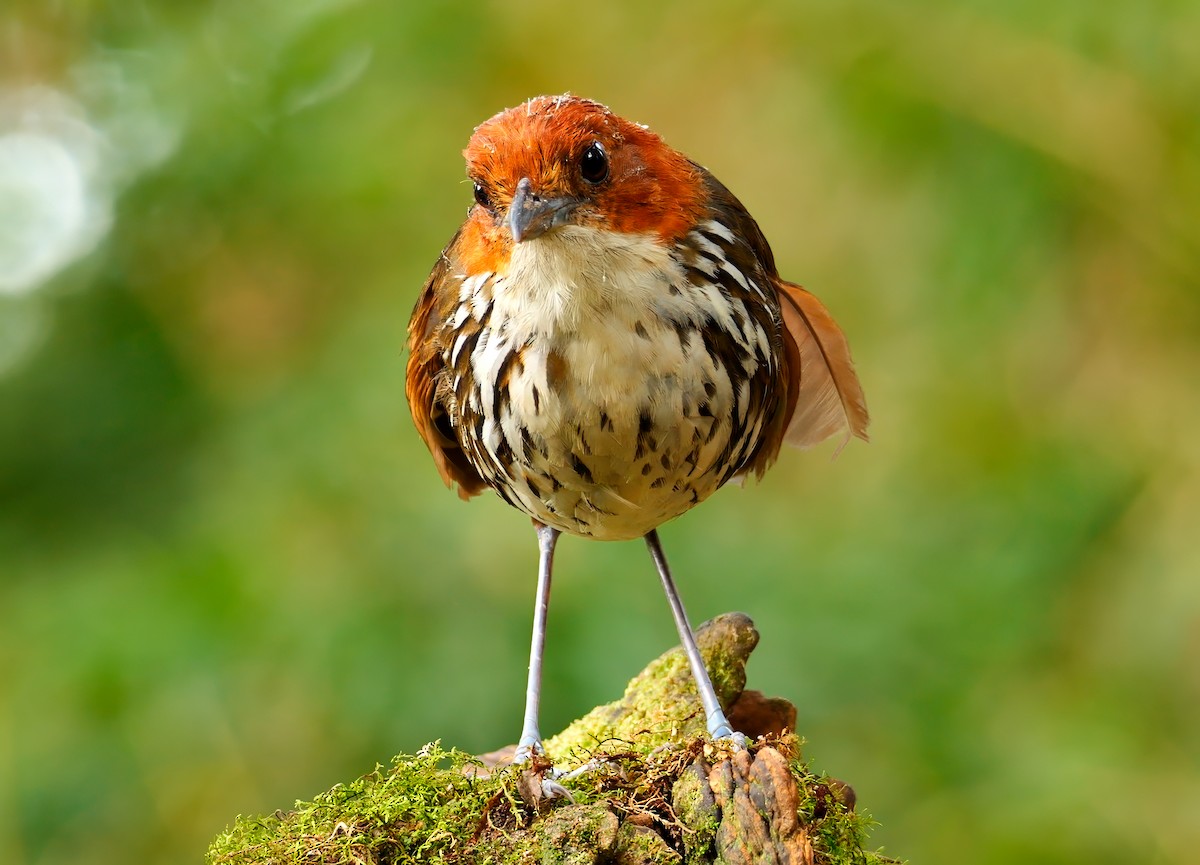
(531, 738)
(718, 724)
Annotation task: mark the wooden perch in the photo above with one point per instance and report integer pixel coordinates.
(654, 790)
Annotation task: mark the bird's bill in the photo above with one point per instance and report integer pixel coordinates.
(530, 215)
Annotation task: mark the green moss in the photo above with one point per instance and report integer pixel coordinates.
(644, 846)
(697, 810)
(660, 705)
(416, 811)
(838, 828)
(653, 795)
(579, 834)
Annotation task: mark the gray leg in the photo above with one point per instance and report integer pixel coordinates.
(531, 737)
(718, 725)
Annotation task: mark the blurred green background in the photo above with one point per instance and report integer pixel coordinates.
(230, 576)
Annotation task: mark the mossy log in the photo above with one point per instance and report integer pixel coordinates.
(652, 789)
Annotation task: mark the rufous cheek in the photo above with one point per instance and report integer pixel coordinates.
(483, 246)
(654, 189)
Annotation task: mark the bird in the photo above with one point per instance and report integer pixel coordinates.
(606, 341)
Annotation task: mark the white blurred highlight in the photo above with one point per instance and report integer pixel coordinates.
(53, 208)
(60, 173)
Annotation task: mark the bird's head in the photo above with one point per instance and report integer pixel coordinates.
(559, 161)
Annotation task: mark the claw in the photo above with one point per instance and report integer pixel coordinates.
(722, 731)
(583, 769)
(539, 781)
(737, 741)
(551, 789)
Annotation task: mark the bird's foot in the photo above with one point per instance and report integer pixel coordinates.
(539, 781)
(528, 750)
(737, 741)
(721, 732)
(546, 788)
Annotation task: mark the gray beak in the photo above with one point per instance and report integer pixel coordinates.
(531, 216)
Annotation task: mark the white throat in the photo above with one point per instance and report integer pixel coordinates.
(575, 274)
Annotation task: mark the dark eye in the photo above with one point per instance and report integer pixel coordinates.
(481, 196)
(593, 165)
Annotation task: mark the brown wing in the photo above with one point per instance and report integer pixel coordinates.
(424, 375)
(829, 399)
(822, 395)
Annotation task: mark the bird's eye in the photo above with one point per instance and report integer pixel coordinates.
(481, 196)
(593, 165)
